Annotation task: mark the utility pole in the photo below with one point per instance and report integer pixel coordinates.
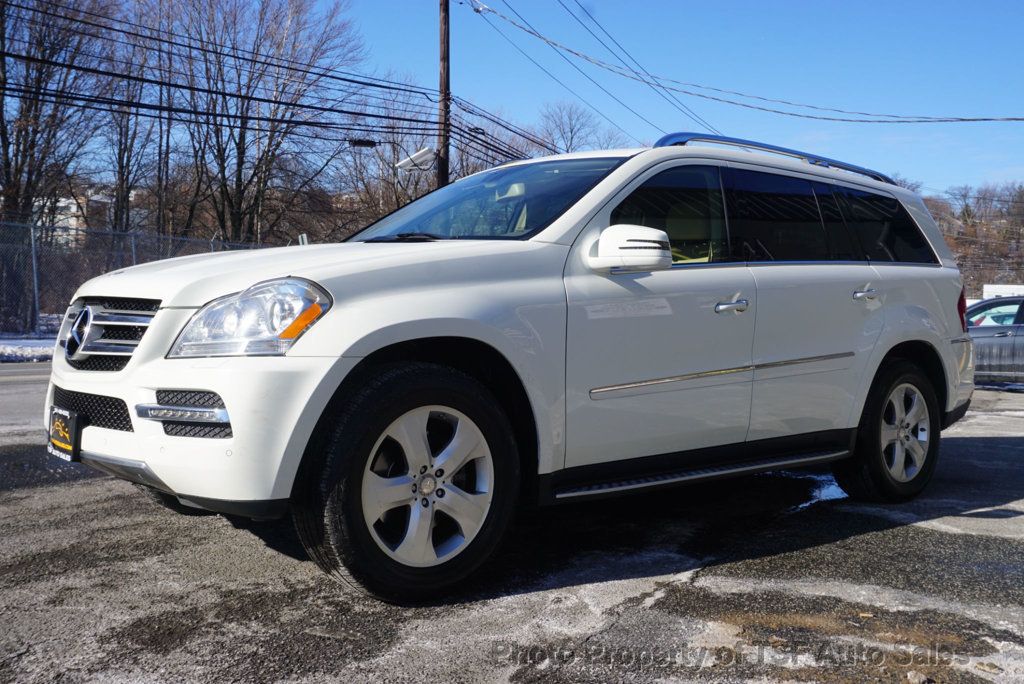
(444, 105)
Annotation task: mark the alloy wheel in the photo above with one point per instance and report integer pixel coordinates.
(905, 431)
(427, 486)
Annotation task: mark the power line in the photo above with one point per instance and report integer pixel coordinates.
(589, 77)
(260, 59)
(674, 101)
(556, 79)
(472, 145)
(167, 71)
(469, 108)
(481, 8)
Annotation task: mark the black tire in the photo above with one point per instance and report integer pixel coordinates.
(327, 506)
(171, 503)
(865, 476)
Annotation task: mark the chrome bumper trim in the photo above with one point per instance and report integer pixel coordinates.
(183, 414)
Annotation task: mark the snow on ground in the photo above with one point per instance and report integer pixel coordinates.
(26, 349)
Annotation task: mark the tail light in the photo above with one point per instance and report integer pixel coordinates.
(961, 308)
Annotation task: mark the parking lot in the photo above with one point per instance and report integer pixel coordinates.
(773, 577)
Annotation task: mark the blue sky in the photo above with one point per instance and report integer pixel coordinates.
(910, 57)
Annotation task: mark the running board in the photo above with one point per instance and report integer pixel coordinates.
(696, 474)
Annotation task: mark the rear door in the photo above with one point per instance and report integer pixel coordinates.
(813, 332)
(995, 327)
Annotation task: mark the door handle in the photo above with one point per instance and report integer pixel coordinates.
(865, 294)
(1004, 333)
(739, 306)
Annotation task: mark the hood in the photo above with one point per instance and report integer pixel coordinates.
(192, 281)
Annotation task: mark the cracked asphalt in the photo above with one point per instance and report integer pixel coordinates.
(770, 578)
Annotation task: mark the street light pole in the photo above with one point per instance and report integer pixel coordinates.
(444, 105)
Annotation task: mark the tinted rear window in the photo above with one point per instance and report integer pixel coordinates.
(842, 246)
(885, 230)
(774, 218)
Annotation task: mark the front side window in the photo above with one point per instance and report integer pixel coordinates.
(774, 218)
(507, 202)
(884, 228)
(996, 313)
(686, 203)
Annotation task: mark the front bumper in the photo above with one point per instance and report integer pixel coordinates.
(274, 404)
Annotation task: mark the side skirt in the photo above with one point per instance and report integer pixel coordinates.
(665, 470)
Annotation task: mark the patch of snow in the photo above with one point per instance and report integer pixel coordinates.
(26, 348)
(825, 489)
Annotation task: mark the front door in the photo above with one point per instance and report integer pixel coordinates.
(659, 363)
(998, 345)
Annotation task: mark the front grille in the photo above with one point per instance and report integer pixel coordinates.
(95, 409)
(198, 399)
(118, 325)
(195, 398)
(123, 332)
(197, 430)
(122, 303)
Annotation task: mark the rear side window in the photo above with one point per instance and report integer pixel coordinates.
(842, 246)
(774, 218)
(686, 203)
(883, 227)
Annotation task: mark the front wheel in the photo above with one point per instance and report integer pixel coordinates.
(897, 440)
(411, 484)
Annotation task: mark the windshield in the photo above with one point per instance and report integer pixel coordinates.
(506, 202)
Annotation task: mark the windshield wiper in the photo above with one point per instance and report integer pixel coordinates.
(408, 237)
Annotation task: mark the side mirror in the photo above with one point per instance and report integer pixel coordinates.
(627, 248)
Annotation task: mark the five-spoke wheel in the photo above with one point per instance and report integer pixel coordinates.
(906, 427)
(410, 482)
(898, 438)
(427, 487)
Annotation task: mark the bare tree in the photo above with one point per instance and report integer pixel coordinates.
(128, 134)
(568, 126)
(42, 130)
(261, 105)
(904, 182)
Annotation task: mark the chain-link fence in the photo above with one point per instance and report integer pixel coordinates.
(42, 266)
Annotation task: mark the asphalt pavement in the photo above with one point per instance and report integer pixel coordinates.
(770, 578)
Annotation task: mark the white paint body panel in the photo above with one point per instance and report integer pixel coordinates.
(628, 328)
(563, 328)
(807, 311)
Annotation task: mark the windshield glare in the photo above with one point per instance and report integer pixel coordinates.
(506, 202)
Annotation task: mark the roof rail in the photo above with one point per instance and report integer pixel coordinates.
(816, 160)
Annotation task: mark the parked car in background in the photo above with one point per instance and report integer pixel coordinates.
(551, 330)
(997, 328)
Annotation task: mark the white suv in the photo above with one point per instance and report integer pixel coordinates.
(550, 330)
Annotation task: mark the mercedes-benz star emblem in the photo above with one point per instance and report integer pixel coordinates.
(78, 335)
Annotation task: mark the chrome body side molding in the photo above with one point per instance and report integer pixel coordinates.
(609, 391)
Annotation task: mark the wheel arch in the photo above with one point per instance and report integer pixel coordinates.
(925, 356)
(472, 356)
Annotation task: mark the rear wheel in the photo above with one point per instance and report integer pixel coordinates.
(411, 485)
(897, 440)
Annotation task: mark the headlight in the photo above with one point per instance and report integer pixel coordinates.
(265, 320)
